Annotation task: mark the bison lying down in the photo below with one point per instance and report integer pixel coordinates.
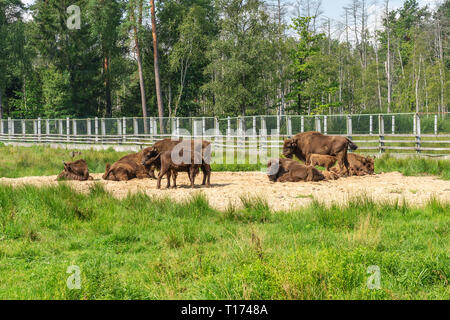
(360, 165)
(127, 168)
(77, 170)
(287, 170)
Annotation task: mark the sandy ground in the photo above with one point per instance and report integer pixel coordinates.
(228, 187)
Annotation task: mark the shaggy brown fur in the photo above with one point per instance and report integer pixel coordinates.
(287, 170)
(322, 160)
(360, 165)
(330, 175)
(170, 168)
(77, 170)
(303, 145)
(151, 155)
(127, 168)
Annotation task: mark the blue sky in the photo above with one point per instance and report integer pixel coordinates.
(333, 8)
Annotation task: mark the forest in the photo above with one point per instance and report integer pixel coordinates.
(186, 58)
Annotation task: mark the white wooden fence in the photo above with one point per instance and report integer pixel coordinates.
(408, 132)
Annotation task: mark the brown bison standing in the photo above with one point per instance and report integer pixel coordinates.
(151, 156)
(77, 170)
(127, 168)
(303, 145)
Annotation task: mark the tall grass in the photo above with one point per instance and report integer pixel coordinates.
(153, 248)
(414, 166)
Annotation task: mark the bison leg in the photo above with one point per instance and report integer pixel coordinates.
(206, 168)
(160, 175)
(168, 175)
(174, 178)
(343, 161)
(192, 176)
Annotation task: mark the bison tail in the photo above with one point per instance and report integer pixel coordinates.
(351, 145)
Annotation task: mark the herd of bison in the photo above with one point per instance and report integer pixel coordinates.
(313, 148)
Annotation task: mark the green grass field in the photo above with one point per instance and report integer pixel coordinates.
(148, 248)
(143, 248)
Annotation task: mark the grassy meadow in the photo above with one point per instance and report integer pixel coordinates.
(147, 248)
(153, 248)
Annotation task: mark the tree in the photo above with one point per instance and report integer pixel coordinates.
(307, 47)
(156, 62)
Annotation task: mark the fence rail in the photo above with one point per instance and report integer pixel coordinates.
(420, 133)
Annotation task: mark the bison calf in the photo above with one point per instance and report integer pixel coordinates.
(287, 170)
(77, 170)
(322, 160)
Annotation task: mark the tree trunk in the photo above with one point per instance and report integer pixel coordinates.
(388, 59)
(140, 69)
(107, 87)
(378, 77)
(156, 62)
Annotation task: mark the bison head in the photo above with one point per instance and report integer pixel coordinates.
(314, 174)
(149, 155)
(273, 167)
(289, 148)
(370, 164)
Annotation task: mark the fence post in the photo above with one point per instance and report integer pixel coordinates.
(228, 126)
(152, 130)
(194, 129)
(435, 124)
(178, 127)
(47, 127)
(414, 124)
(302, 124)
(60, 128)
(349, 127)
(325, 124)
(39, 129)
(371, 125)
(418, 138)
(103, 125)
(278, 125)
(203, 126)
(9, 129)
(254, 126)
(89, 129)
(2, 127)
(263, 138)
(381, 132)
(119, 129)
(393, 124)
(96, 129)
(318, 126)
(75, 129)
(24, 128)
(289, 126)
(135, 127)
(124, 130)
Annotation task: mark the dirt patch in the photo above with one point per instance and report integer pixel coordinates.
(227, 187)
